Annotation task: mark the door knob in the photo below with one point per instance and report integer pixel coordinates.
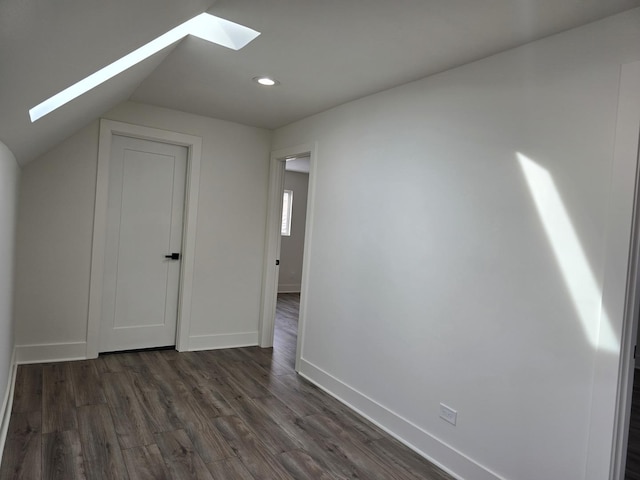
(173, 256)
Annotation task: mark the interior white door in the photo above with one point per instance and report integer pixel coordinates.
(144, 224)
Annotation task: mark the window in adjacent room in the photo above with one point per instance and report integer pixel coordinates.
(287, 202)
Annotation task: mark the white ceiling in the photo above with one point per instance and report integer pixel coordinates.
(323, 52)
(299, 164)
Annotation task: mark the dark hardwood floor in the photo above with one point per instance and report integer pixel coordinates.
(633, 447)
(224, 414)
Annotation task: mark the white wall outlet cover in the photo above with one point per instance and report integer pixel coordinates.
(448, 414)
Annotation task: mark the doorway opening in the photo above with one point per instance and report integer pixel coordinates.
(632, 468)
(626, 460)
(287, 247)
(292, 235)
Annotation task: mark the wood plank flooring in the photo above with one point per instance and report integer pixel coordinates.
(225, 414)
(633, 448)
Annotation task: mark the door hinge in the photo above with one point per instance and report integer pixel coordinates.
(635, 347)
(277, 262)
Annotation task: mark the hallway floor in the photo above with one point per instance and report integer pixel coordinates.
(633, 448)
(222, 414)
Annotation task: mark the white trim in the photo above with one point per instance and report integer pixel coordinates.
(108, 128)
(289, 288)
(402, 429)
(225, 340)
(610, 413)
(7, 402)
(273, 237)
(51, 352)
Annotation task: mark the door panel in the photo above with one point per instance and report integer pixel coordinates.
(144, 223)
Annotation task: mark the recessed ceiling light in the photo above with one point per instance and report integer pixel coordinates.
(266, 81)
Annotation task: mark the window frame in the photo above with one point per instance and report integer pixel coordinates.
(287, 208)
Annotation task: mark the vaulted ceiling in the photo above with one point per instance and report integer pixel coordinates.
(324, 53)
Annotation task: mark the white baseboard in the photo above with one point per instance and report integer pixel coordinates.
(292, 288)
(51, 352)
(7, 402)
(433, 449)
(228, 340)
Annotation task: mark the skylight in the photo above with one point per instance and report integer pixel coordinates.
(205, 26)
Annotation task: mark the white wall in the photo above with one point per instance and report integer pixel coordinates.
(292, 246)
(55, 225)
(9, 179)
(56, 222)
(432, 278)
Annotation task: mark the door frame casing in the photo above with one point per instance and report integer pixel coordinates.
(272, 243)
(109, 128)
(625, 196)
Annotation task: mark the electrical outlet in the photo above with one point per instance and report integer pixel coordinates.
(448, 414)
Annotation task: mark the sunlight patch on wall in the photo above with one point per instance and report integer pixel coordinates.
(577, 274)
(205, 26)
